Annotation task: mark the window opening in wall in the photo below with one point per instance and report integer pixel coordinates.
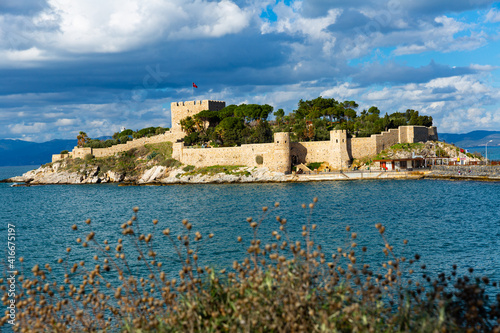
(337, 141)
(277, 142)
(342, 140)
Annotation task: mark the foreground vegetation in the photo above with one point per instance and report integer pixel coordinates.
(286, 285)
(130, 162)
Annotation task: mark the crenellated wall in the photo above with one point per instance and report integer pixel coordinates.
(80, 152)
(277, 156)
(181, 110)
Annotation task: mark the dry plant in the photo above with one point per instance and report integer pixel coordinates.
(286, 285)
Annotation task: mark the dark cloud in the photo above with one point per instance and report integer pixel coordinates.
(444, 90)
(392, 72)
(101, 91)
(444, 6)
(316, 8)
(24, 7)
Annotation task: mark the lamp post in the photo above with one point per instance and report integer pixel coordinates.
(487, 151)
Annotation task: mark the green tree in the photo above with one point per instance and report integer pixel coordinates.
(82, 138)
(188, 125)
(229, 131)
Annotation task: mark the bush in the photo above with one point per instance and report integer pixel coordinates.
(152, 155)
(188, 168)
(314, 165)
(286, 285)
(64, 152)
(88, 158)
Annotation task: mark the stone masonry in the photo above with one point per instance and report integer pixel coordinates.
(277, 156)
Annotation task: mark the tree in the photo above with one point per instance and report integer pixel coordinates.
(229, 130)
(316, 108)
(188, 125)
(82, 138)
(279, 114)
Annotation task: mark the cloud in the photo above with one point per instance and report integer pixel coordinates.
(119, 25)
(392, 72)
(97, 66)
(493, 15)
(22, 128)
(25, 7)
(485, 68)
(440, 36)
(65, 122)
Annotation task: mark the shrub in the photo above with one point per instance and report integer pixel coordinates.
(188, 168)
(170, 163)
(88, 158)
(64, 152)
(314, 165)
(152, 155)
(286, 285)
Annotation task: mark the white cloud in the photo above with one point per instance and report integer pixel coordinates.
(437, 36)
(23, 128)
(65, 122)
(457, 104)
(493, 15)
(118, 25)
(29, 55)
(342, 92)
(291, 21)
(485, 68)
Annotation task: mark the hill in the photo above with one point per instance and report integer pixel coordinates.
(19, 152)
(472, 139)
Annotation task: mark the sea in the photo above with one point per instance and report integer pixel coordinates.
(445, 222)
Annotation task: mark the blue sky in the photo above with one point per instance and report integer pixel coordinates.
(95, 66)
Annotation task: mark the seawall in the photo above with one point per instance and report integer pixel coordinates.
(473, 172)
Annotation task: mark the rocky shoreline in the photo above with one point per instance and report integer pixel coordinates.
(51, 175)
(160, 175)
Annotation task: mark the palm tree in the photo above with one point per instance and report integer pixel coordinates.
(82, 139)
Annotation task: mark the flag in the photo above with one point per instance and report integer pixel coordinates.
(194, 85)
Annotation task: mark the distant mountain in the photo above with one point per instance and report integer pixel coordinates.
(19, 152)
(472, 139)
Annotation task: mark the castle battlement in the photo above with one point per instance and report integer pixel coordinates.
(279, 155)
(196, 103)
(181, 110)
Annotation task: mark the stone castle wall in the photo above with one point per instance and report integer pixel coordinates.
(309, 152)
(277, 156)
(361, 147)
(181, 110)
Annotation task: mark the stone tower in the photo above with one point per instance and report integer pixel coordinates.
(180, 110)
(339, 154)
(281, 159)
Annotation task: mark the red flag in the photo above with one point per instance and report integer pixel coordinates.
(194, 85)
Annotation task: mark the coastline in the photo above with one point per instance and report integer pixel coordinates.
(159, 175)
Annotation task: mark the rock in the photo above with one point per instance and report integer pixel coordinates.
(115, 177)
(152, 175)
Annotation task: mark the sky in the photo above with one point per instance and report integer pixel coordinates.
(99, 65)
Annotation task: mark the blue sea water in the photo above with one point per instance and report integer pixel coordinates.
(493, 152)
(446, 222)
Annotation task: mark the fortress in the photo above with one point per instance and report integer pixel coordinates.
(278, 156)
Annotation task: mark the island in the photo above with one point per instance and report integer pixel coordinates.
(210, 142)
